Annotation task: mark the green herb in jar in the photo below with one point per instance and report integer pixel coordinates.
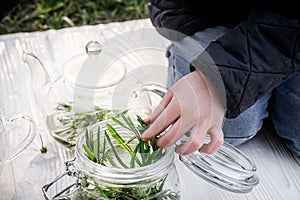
(68, 123)
(110, 148)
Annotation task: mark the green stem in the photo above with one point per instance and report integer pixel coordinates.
(114, 151)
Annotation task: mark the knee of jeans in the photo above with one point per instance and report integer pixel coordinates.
(294, 146)
(247, 124)
(288, 130)
(239, 137)
(239, 130)
(238, 141)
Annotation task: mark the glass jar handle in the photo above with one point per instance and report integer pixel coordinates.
(145, 98)
(70, 171)
(28, 138)
(154, 88)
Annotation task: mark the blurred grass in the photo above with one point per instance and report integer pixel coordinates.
(40, 15)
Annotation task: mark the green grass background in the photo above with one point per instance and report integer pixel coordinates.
(40, 15)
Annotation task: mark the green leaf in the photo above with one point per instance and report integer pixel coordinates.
(43, 149)
(111, 161)
(153, 144)
(114, 151)
(87, 141)
(120, 123)
(103, 151)
(132, 163)
(91, 141)
(95, 149)
(89, 153)
(132, 127)
(118, 138)
(98, 146)
(155, 155)
(142, 122)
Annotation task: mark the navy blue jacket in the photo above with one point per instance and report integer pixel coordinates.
(258, 54)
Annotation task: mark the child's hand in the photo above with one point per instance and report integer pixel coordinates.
(193, 105)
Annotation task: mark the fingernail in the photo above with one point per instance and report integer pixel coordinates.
(177, 150)
(144, 136)
(147, 120)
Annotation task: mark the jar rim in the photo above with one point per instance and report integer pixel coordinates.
(123, 175)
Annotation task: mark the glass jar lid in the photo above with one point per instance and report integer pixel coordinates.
(228, 168)
(94, 69)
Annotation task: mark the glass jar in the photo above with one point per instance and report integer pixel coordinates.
(157, 179)
(84, 88)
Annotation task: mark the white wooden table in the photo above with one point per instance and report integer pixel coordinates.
(278, 169)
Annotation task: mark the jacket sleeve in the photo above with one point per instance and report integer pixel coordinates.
(254, 58)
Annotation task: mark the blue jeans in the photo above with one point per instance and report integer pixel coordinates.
(283, 102)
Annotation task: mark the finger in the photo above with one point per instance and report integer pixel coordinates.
(176, 131)
(216, 141)
(194, 142)
(160, 107)
(165, 119)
